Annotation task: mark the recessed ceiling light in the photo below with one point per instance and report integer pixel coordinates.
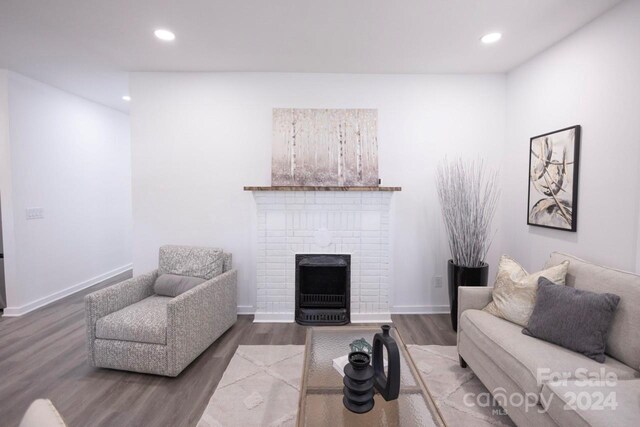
(126, 98)
(164, 35)
(491, 38)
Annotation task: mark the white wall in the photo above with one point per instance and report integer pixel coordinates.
(591, 79)
(5, 183)
(70, 157)
(198, 138)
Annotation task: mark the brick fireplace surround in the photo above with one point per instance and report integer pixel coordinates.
(323, 220)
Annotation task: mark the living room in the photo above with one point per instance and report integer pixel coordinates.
(209, 210)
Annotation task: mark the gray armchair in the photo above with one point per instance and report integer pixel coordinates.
(130, 328)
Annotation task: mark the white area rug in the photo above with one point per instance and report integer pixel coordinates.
(458, 393)
(261, 386)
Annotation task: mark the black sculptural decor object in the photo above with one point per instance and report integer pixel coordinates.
(387, 385)
(358, 383)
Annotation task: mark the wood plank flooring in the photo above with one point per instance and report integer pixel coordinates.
(42, 354)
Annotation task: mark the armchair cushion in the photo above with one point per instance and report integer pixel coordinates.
(205, 263)
(144, 321)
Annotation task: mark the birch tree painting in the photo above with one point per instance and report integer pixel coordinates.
(325, 147)
(553, 179)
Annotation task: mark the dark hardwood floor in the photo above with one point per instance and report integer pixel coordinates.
(42, 354)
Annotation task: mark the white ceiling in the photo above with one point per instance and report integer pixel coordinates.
(87, 46)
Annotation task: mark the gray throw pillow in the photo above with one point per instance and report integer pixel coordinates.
(172, 285)
(572, 318)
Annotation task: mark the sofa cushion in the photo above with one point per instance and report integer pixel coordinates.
(623, 340)
(528, 361)
(572, 318)
(172, 285)
(502, 387)
(599, 403)
(144, 321)
(191, 261)
(514, 291)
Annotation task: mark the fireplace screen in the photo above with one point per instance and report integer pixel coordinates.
(323, 289)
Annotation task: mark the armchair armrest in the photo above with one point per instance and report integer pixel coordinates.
(472, 298)
(108, 300)
(196, 318)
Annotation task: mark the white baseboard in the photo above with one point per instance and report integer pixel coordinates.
(41, 302)
(273, 317)
(246, 309)
(371, 317)
(420, 309)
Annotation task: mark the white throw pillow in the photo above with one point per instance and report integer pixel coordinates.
(514, 292)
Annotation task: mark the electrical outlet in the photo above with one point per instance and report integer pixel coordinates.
(437, 281)
(35, 213)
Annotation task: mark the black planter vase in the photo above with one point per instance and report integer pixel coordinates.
(463, 276)
(387, 385)
(358, 383)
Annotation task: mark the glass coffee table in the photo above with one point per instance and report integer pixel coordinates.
(321, 391)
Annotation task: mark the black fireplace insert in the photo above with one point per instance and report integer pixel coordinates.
(323, 283)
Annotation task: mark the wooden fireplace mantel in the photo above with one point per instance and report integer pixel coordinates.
(321, 188)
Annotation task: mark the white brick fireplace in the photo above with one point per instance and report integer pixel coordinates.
(324, 222)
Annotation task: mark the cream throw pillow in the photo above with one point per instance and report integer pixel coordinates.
(514, 293)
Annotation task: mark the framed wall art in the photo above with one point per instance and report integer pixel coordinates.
(553, 179)
(325, 147)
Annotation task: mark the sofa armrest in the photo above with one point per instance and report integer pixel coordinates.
(113, 298)
(472, 298)
(196, 318)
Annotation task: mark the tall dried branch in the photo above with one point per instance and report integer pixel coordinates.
(469, 195)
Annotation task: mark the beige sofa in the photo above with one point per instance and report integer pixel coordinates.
(515, 367)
